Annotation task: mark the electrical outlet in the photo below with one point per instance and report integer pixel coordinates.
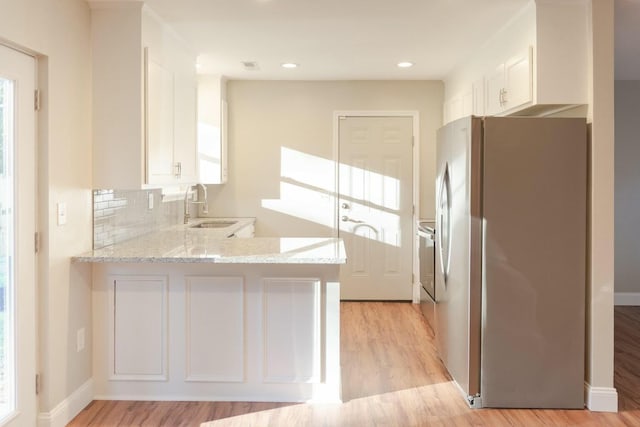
(150, 200)
(80, 340)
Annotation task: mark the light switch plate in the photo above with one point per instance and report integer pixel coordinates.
(62, 213)
(150, 200)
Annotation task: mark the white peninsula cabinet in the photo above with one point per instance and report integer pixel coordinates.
(144, 109)
(217, 319)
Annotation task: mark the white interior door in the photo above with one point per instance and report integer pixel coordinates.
(17, 228)
(375, 207)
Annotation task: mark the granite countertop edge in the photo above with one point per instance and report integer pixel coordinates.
(188, 245)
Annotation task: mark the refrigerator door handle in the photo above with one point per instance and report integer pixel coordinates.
(444, 223)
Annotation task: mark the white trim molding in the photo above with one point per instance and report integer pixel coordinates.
(600, 399)
(627, 298)
(66, 410)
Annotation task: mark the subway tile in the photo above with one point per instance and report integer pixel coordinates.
(119, 215)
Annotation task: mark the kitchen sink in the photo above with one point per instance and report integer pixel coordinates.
(214, 224)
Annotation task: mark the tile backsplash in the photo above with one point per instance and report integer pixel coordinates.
(120, 215)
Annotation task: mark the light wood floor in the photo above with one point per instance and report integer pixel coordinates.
(391, 377)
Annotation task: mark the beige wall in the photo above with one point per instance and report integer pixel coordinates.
(627, 195)
(59, 32)
(265, 116)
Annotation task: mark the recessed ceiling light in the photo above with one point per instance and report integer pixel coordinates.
(289, 65)
(405, 64)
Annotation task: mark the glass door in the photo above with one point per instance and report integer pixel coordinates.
(17, 229)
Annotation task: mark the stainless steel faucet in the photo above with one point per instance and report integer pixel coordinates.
(204, 203)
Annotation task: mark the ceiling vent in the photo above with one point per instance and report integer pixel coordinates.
(250, 65)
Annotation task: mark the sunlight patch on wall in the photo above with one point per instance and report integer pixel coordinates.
(369, 201)
(304, 203)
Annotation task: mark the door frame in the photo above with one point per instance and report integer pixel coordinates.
(415, 116)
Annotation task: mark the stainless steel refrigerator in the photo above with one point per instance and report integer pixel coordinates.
(510, 259)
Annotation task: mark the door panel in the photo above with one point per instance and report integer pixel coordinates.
(17, 228)
(375, 207)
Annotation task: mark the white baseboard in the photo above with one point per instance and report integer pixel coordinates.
(66, 410)
(626, 298)
(600, 399)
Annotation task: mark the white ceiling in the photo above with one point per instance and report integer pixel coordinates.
(356, 39)
(334, 39)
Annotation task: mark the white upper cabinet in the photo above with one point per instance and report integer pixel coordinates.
(477, 98)
(458, 106)
(212, 130)
(117, 87)
(185, 122)
(144, 110)
(170, 104)
(510, 85)
(534, 65)
(159, 122)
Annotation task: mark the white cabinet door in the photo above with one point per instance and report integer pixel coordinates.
(494, 91)
(139, 338)
(184, 142)
(212, 130)
(215, 353)
(510, 84)
(518, 80)
(159, 124)
(292, 341)
(477, 90)
(170, 124)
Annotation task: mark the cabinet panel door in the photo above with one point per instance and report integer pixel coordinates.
(215, 333)
(159, 125)
(139, 336)
(212, 130)
(185, 126)
(518, 78)
(493, 92)
(292, 330)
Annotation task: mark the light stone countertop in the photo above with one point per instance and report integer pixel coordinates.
(184, 244)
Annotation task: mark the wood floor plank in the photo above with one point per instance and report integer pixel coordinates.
(392, 376)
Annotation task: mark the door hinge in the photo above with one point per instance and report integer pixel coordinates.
(413, 141)
(36, 100)
(38, 383)
(413, 210)
(36, 242)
